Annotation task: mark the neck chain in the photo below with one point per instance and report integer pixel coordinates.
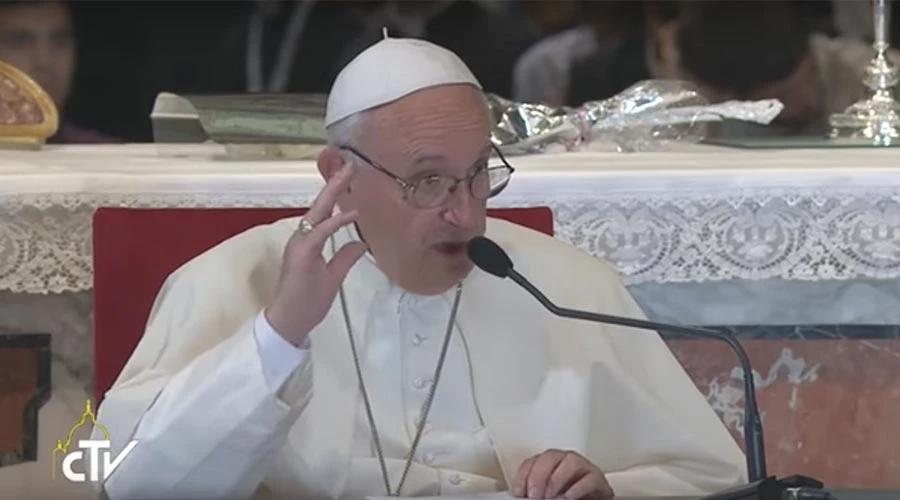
(426, 406)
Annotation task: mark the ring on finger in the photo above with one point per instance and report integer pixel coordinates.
(306, 226)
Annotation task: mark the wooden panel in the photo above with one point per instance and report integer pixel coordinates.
(24, 388)
(18, 385)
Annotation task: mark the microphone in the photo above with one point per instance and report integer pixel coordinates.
(490, 258)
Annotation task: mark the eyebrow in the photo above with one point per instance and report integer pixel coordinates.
(430, 159)
(439, 158)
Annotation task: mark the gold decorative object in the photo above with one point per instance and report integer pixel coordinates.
(88, 417)
(877, 118)
(28, 115)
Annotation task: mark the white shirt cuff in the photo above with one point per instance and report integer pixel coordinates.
(280, 358)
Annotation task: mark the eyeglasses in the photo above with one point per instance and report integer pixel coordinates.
(434, 190)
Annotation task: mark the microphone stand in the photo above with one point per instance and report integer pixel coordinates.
(753, 433)
(761, 485)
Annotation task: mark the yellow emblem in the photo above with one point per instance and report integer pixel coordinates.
(87, 415)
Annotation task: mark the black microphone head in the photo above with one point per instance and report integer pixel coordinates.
(489, 257)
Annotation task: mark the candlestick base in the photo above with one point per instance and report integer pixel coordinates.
(878, 117)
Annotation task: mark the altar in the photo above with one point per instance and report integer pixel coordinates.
(702, 234)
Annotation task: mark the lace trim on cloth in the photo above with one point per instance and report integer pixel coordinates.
(682, 236)
(45, 240)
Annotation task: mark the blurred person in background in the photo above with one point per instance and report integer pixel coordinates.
(551, 16)
(854, 19)
(38, 38)
(600, 56)
(541, 74)
(488, 35)
(618, 60)
(266, 46)
(276, 46)
(762, 50)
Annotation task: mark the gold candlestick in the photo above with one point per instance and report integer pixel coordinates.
(876, 118)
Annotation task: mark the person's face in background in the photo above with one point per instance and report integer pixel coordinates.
(37, 38)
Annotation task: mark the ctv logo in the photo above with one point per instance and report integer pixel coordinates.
(94, 454)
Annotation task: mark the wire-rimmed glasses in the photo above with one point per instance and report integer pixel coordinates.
(434, 190)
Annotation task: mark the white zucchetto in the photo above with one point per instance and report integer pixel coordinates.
(391, 69)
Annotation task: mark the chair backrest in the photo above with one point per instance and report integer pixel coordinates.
(135, 250)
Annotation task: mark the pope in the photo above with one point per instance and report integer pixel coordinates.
(356, 352)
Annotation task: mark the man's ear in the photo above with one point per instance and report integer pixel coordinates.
(329, 162)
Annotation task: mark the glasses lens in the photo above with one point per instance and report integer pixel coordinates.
(497, 178)
(480, 184)
(436, 189)
(430, 191)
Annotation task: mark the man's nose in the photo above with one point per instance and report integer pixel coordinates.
(461, 207)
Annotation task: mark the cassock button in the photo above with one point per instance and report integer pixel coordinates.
(420, 383)
(428, 458)
(455, 479)
(417, 340)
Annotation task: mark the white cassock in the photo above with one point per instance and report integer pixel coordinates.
(222, 407)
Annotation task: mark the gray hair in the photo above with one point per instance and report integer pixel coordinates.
(346, 133)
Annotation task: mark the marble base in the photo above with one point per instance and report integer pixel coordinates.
(815, 332)
(830, 408)
(67, 317)
(772, 302)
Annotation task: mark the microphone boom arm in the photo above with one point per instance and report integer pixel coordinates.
(753, 431)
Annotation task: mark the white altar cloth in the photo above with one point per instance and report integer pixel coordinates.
(695, 215)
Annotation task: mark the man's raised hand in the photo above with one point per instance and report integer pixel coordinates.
(308, 284)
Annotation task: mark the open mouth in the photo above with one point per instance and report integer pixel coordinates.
(451, 248)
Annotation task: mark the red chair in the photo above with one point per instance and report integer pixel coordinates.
(135, 250)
